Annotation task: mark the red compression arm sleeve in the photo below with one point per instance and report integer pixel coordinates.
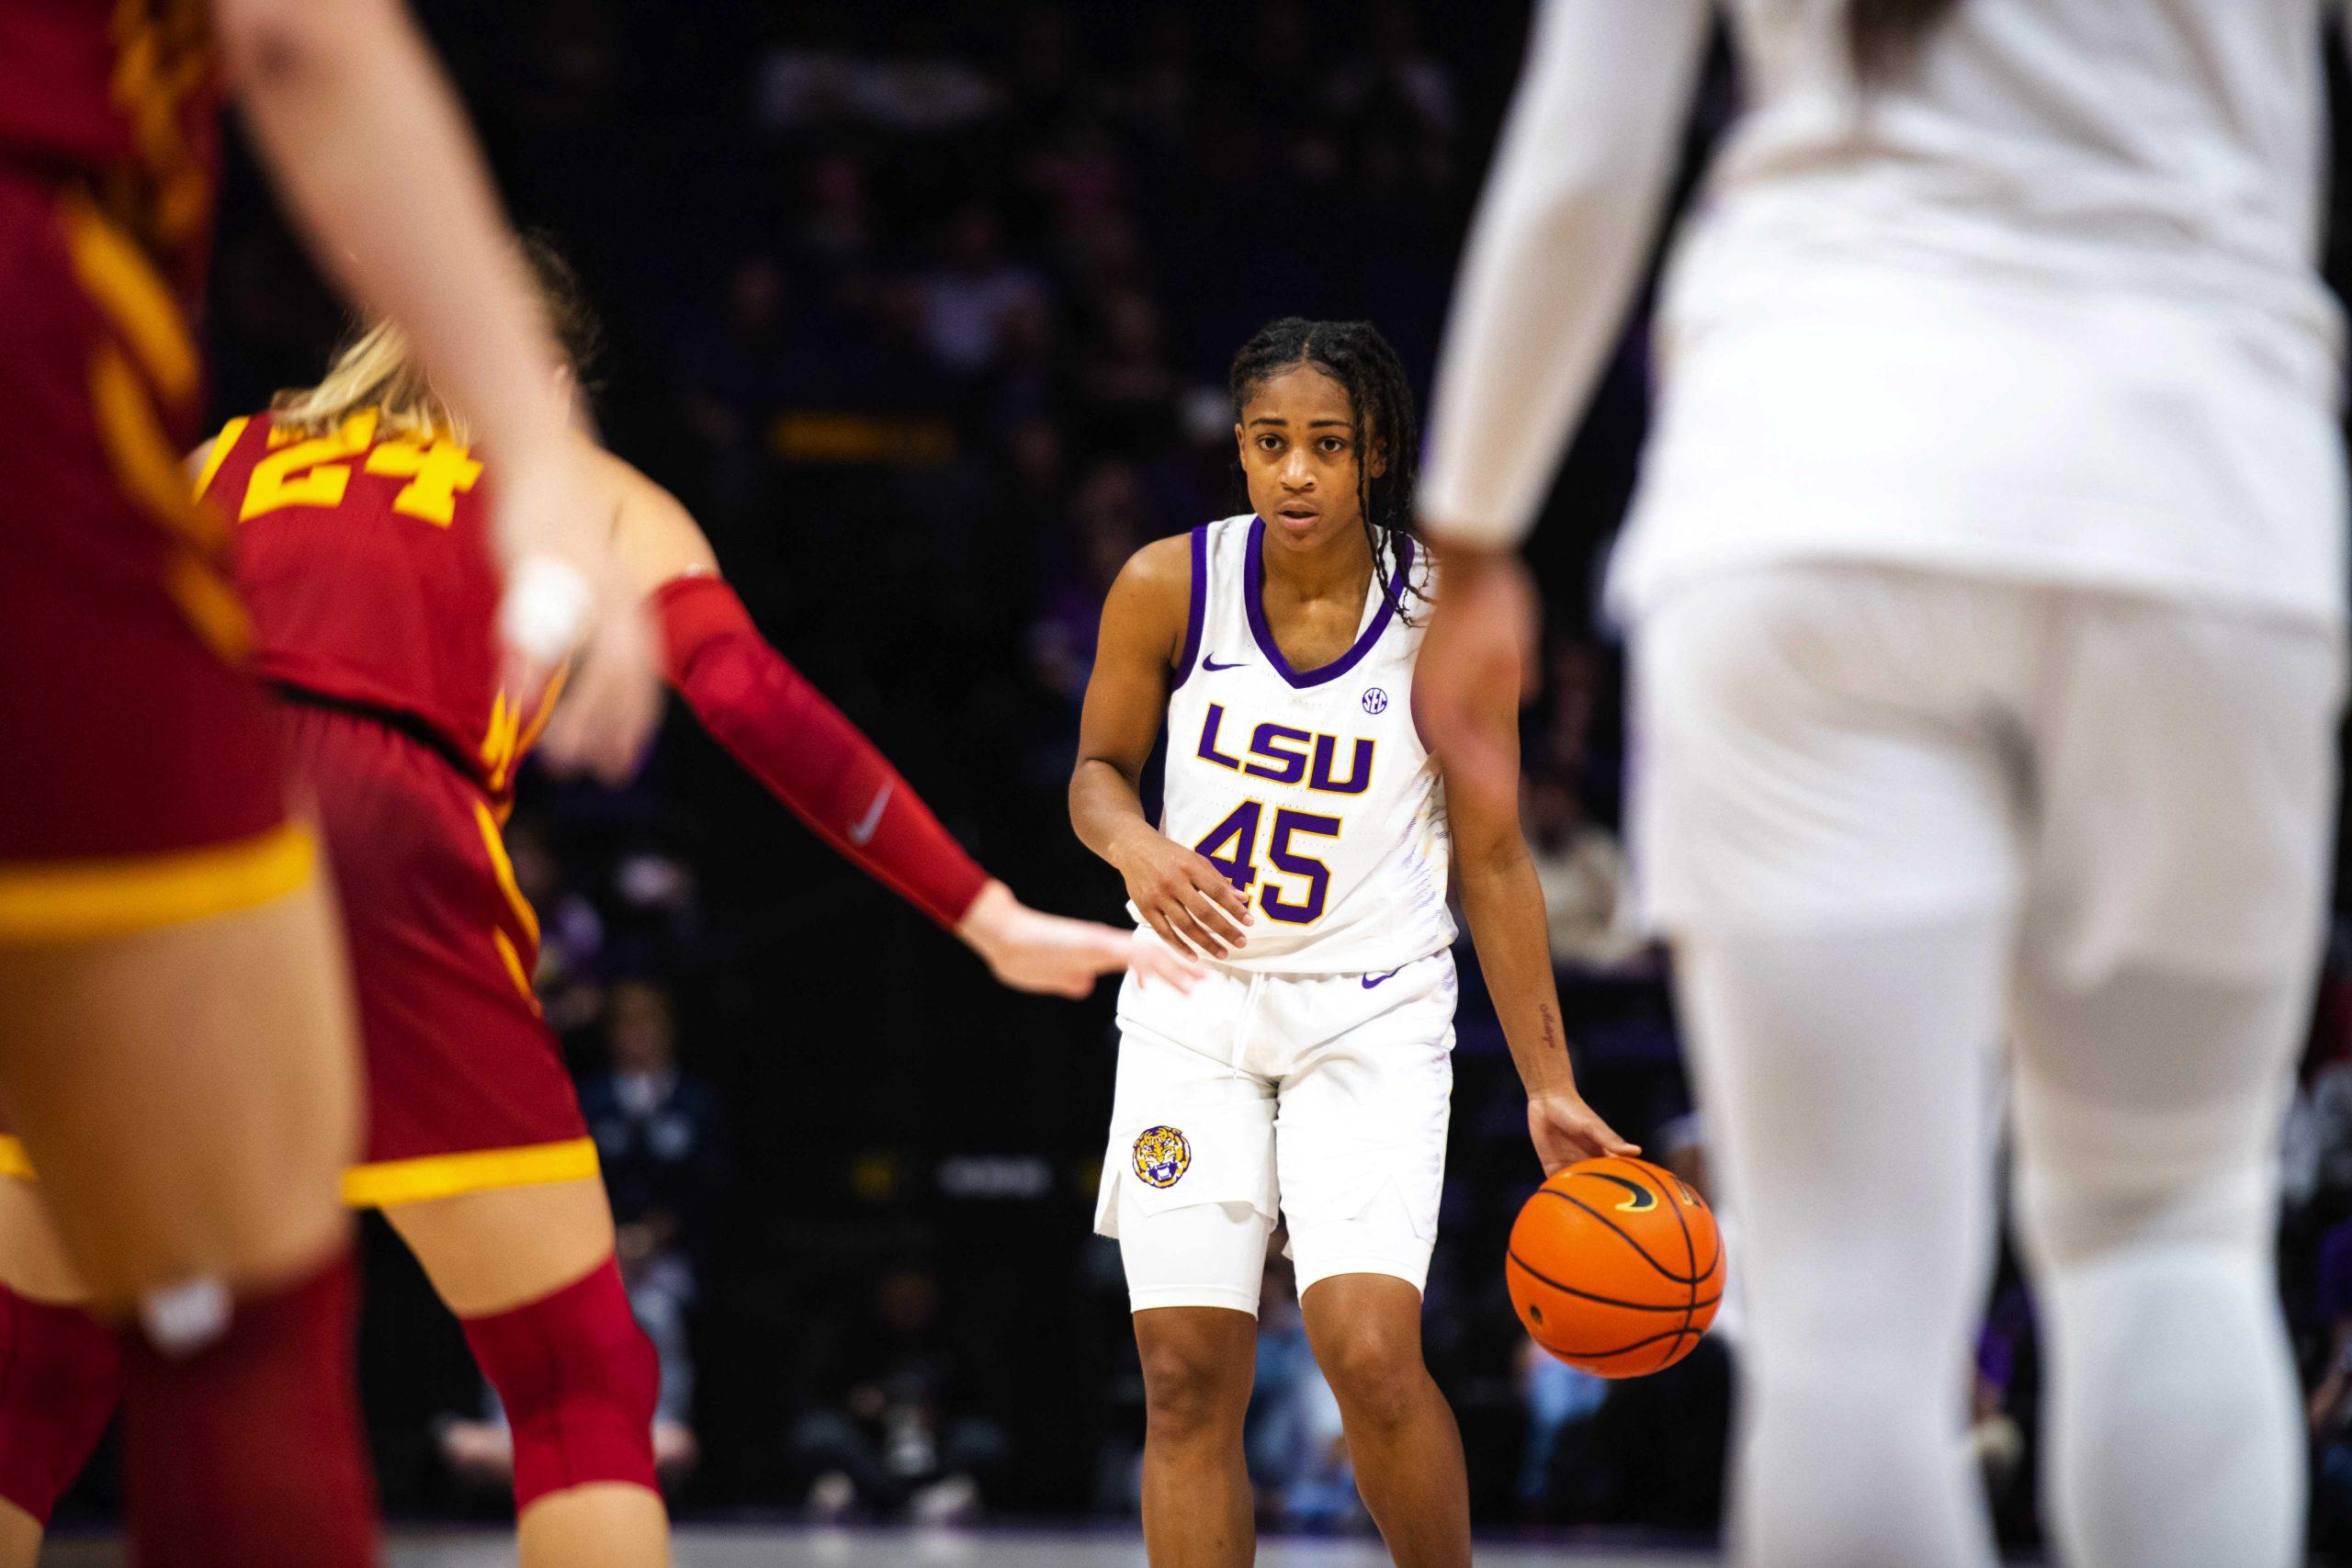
(774, 722)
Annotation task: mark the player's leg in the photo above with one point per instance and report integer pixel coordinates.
(530, 1271)
(1361, 1143)
(176, 1048)
(2148, 1204)
(1841, 1076)
(1198, 1365)
(185, 1141)
(2178, 919)
(61, 1372)
(1826, 819)
(1366, 1333)
(476, 1151)
(1188, 1189)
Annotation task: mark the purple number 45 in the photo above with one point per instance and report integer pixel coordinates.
(1232, 847)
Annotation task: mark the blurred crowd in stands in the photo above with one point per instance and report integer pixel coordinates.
(925, 312)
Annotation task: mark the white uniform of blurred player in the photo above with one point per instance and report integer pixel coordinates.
(1986, 582)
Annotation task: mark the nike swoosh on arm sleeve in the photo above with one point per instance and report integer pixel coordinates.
(1562, 229)
(773, 721)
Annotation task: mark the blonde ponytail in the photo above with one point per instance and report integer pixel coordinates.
(376, 369)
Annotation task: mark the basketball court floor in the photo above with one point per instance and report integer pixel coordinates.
(744, 1547)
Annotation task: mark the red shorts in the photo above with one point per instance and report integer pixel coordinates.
(142, 783)
(465, 1084)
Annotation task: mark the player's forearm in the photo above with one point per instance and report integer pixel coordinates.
(808, 754)
(1562, 231)
(1104, 809)
(1503, 905)
(353, 115)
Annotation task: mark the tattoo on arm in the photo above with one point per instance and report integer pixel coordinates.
(1551, 1029)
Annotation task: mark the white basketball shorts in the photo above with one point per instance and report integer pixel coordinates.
(2142, 781)
(1321, 1099)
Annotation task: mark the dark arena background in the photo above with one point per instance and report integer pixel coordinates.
(924, 311)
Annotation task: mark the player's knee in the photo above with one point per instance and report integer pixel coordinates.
(2093, 1179)
(2075, 1212)
(64, 1379)
(1375, 1371)
(1191, 1387)
(578, 1380)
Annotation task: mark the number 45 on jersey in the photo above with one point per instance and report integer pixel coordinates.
(1232, 847)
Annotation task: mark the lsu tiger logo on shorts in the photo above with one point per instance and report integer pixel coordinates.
(1162, 1157)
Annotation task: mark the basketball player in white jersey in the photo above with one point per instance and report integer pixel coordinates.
(1304, 849)
(1986, 583)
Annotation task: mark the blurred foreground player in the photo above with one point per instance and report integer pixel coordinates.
(361, 524)
(174, 1034)
(1986, 580)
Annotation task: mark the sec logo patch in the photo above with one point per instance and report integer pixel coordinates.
(1375, 700)
(1162, 1157)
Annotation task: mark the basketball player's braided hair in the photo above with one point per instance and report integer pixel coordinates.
(1355, 355)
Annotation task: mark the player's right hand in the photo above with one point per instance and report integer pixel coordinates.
(1184, 896)
(1032, 951)
(571, 613)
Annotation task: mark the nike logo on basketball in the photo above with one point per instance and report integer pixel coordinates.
(1642, 1199)
(1209, 663)
(861, 832)
(1371, 980)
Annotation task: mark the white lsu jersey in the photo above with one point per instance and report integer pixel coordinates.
(2044, 308)
(1311, 790)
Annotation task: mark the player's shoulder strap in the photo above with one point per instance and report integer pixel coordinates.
(1215, 549)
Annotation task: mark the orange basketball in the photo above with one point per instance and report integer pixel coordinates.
(1615, 1267)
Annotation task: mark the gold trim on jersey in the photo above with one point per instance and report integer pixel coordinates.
(163, 56)
(385, 1183)
(120, 280)
(515, 970)
(503, 869)
(152, 477)
(218, 452)
(86, 900)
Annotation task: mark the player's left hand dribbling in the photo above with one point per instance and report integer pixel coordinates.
(1566, 1129)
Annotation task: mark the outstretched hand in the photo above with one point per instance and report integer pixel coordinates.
(1032, 951)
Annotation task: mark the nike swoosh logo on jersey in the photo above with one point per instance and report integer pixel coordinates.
(1371, 980)
(1209, 663)
(861, 832)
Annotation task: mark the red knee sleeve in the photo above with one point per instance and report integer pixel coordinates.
(61, 1377)
(578, 1380)
(249, 1450)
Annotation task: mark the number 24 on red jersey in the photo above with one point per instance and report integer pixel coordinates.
(316, 470)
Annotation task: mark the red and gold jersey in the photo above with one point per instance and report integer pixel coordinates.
(120, 96)
(365, 563)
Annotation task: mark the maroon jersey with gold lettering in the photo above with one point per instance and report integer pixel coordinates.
(364, 558)
(121, 96)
